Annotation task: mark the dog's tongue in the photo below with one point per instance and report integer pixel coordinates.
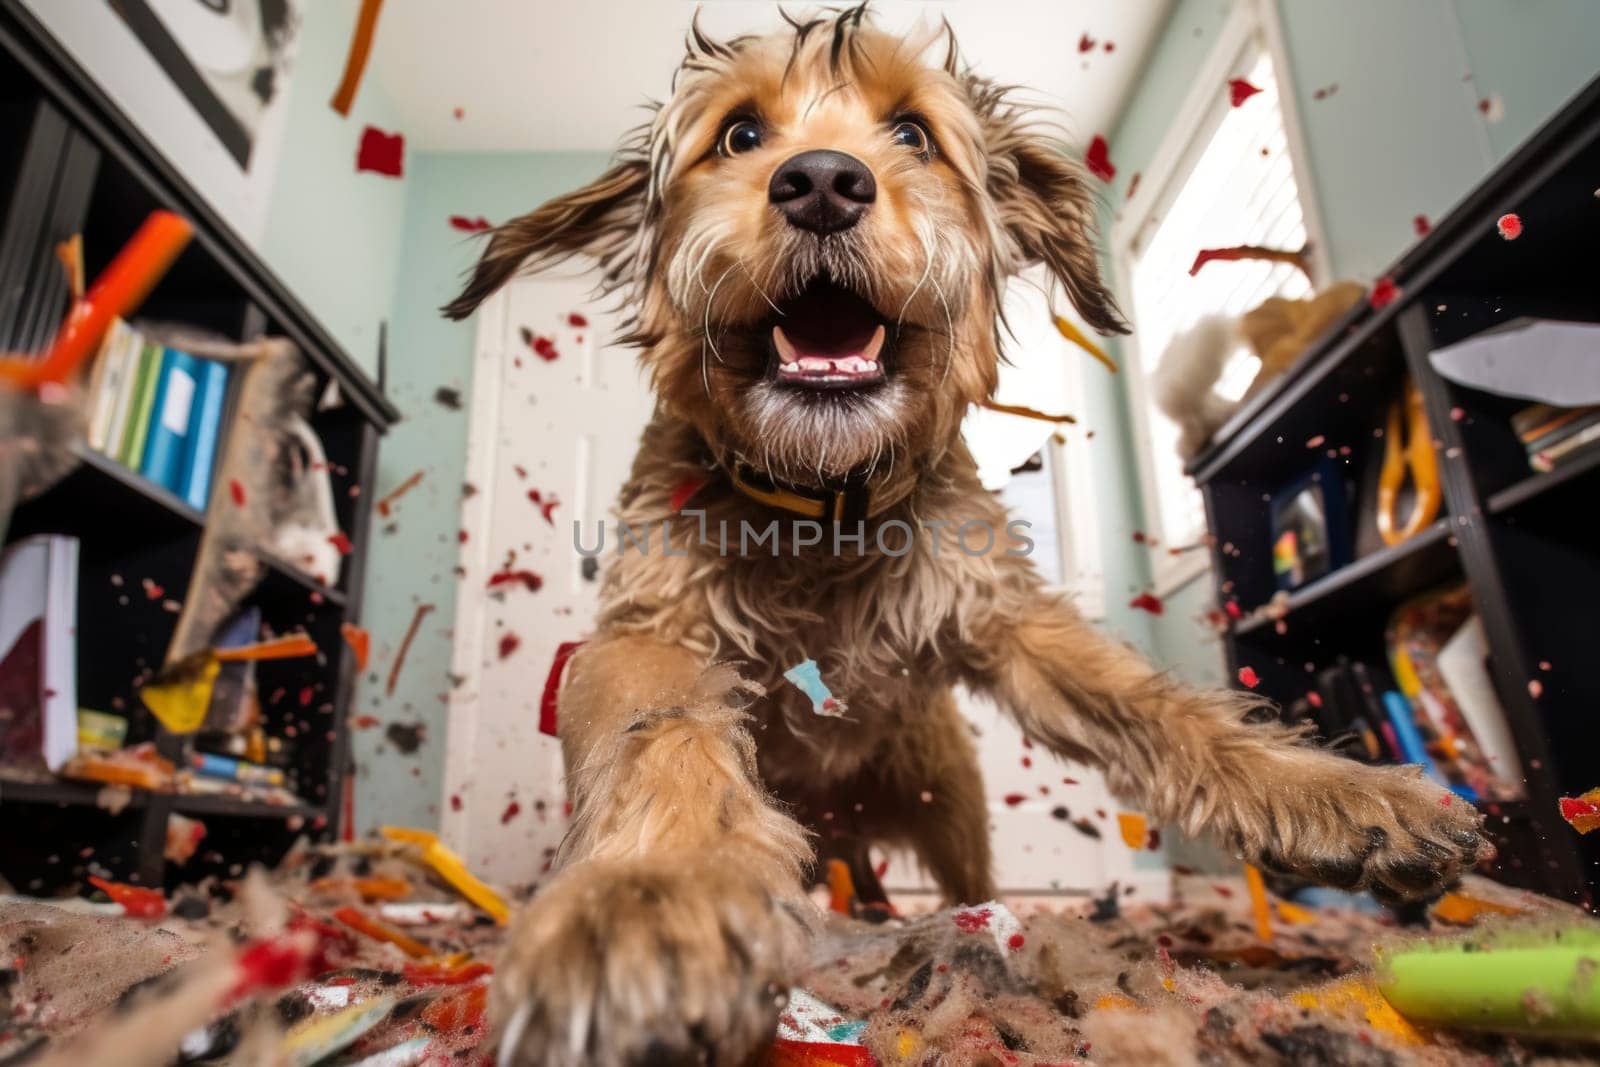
(828, 331)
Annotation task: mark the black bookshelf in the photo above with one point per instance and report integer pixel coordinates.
(72, 163)
(1524, 542)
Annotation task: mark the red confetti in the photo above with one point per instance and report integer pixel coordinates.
(236, 490)
(270, 964)
(1110, 46)
(1015, 941)
(1316, 442)
(441, 973)
(509, 643)
(576, 321)
(381, 153)
(546, 507)
(455, 801)
(1510, 226)
(1233, 609)
(307, 694)
(787, 1052)
(458, 1012)
(472, 225)
(552, 687)
(1421, 225)
(341, 541)
(1133, 183)
(1086, 43)
(1013, 799)
(1148, 602)
(1384, 292)
(1582, 812)
(527, 579)
(152, 589)
(1248, 677)
(686, 490)
(543, 347)
(1314, 698)
(513, 809)
(972, 920)
(1098, 159)
(1240, 90)
(1139, 537)
(366, 722)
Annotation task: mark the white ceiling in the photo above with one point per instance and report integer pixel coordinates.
(550, 75)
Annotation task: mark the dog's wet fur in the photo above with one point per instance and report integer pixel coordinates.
(704, 787)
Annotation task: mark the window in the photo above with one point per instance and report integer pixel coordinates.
(1226, 177)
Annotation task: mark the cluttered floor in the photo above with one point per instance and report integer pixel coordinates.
(370, 953)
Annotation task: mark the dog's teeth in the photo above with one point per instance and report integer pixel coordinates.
(871, 366)
(791, 368)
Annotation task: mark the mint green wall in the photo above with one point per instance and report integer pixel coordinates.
(333, 235)
(412, 556)
(1402, 136)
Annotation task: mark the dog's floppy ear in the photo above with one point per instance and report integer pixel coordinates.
(1047, 208)
(605, 219)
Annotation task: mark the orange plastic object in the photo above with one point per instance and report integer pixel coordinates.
(137, 902)
(1258, 902)
(1459, 909)
(290, 646)
(455, 1012)
(446, 972)
(121, 287)
(360, 642)
(369, 888)
(356, 920)
(841, 888)
(356, 60)
(1408, 444)
(789, 1053)
(1134, 830)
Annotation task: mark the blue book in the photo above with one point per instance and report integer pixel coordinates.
(167, 442)
(204, 428)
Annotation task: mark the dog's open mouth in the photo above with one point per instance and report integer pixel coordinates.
(827, 337)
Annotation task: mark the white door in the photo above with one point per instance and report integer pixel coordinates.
(556, 416)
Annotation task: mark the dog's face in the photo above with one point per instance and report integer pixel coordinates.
(814, 234)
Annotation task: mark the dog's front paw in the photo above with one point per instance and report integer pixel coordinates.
(1386, 829)
(624, 962)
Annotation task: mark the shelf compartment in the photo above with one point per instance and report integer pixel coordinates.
(1536, 489)
(1374, 583)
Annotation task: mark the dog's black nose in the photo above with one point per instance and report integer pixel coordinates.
(822, 191)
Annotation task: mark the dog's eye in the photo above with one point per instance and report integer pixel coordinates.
(912, 134)
(740, 136)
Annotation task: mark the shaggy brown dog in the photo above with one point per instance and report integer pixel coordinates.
(813, 234)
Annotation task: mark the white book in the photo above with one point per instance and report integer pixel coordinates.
(106, 384)
(38, 651)
(1463, 663)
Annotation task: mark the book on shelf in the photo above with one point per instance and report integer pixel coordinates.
(157, 410)
(1553, 434)
(38, 652)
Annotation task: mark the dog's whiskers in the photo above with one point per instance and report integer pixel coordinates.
(711, 298)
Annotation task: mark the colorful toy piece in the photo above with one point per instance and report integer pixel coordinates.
(807, 677)
(1531, 981)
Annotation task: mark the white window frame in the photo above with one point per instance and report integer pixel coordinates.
(1250, 23)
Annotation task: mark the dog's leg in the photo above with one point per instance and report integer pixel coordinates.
(942, 804)
(674, 920)
(1185, 756)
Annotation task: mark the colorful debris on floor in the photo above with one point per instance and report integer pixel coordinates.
(379, 952)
